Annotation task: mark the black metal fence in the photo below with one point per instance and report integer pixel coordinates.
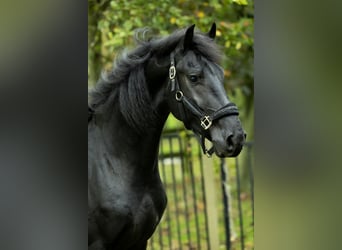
(210, 200)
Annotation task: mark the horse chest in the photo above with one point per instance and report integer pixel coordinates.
(125, 212)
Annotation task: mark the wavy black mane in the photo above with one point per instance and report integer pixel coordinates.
(125, 84)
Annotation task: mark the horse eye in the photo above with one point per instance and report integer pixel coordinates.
(193, 78)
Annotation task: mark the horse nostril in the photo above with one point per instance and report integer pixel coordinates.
(245, 135)
(230, 142)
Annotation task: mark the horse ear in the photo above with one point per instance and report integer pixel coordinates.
(212, 31)
(189, 34)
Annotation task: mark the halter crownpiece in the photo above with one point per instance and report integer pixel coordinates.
(205, 120)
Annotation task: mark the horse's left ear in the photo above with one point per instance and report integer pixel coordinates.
(189, 34)
(212, 31)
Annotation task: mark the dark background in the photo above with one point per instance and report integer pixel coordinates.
(43, 125)
(43, 138)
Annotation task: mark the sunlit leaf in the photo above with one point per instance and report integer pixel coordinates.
(200, 14)
(173, 20)
(241, 2)
(218, 33)
(238, 45)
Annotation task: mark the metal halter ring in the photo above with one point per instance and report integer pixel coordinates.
(206, 122)
(179, 95)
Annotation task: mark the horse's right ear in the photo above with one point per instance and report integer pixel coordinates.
(189, 34)
(212, 31)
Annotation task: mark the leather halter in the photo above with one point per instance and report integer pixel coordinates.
(205, 119)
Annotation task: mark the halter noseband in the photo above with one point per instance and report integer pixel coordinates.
(205, 119)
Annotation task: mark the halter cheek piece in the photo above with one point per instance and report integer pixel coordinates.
(205, 120)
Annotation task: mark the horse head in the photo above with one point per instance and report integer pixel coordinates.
(197, 97)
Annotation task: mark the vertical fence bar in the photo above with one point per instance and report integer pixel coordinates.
(238, 187)
(165, 185)
(174, 182)
(209, 183)
(194, 196)
(204, 198)
(251, 178)
(225, 194)
(185, 194)
(160, 228)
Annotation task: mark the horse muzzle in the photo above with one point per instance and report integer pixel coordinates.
(231, 146)
(228, 142)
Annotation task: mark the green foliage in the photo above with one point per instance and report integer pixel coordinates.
(112, 23)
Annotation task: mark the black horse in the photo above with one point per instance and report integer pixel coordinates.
(128, 108)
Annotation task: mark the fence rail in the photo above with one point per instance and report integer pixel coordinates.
(210, 200)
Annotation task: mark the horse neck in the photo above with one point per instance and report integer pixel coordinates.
(136, 148)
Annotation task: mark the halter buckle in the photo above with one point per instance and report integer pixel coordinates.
(206, 122)
(172, 72)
